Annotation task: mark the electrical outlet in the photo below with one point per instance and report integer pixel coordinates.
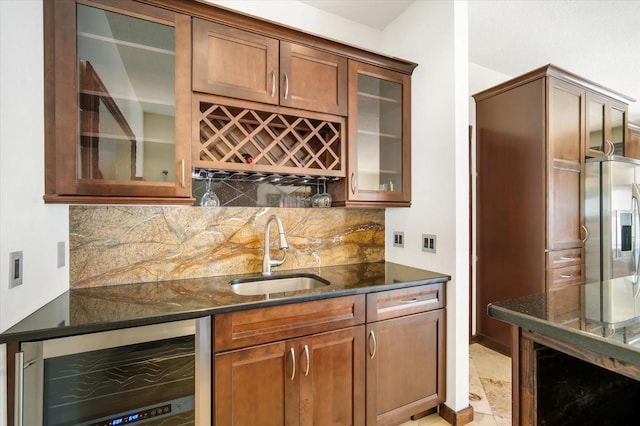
(429, 243)
(15, 269)
(398, 239)
(62, 254)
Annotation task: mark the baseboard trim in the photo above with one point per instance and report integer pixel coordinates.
(456, 418)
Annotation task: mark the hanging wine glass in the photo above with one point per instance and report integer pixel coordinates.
(317, 197)
(325, 197)
(209, 198)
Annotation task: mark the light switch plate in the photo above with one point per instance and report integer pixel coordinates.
(15, 269)
(62, 254)
(429, 243)
(398, 239)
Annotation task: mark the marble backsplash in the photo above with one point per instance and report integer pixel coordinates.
(112, 245)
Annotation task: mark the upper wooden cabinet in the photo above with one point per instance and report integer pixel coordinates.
(606, 123)
(241, 64)
(632, 147)
(235, 63)
(117, 103)
(139, 92)
(379, 149)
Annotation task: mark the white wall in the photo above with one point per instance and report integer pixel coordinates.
(26, 223)
(434, 34)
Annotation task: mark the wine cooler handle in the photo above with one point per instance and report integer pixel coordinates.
(19, 389)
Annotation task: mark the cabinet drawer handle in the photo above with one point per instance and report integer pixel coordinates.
(566, 276)
(306, 355)
(293, 364)
(273, 84)
(286, 86)
(372, 339)
(567, 258)
(354, 183)
(410, 300)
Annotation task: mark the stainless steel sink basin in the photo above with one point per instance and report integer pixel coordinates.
(276, 284)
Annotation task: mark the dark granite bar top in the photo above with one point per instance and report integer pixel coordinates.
(89, 310)
(603, 317)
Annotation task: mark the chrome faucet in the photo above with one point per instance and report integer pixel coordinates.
(267, 263)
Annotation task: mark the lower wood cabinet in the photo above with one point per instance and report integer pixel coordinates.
(297, 364)
(315, 380)
(318, 363)
(403, 372)
(405, 353)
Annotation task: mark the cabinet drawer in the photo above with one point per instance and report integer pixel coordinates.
(246, 328)
(562, 258)
(563, 277)
(405, 301)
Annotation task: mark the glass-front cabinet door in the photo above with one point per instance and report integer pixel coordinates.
(379, 135)
(606, 124)
(122, 123)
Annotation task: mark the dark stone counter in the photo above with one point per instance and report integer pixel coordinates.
(576, 354)
(113, 307)
(603, 317)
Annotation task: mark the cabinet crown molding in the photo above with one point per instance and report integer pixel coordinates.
(551, 70)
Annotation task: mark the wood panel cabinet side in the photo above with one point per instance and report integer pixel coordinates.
(511, 201)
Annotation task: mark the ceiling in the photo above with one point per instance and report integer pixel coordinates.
(596, 40)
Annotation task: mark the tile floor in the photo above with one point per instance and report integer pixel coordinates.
(489, 390)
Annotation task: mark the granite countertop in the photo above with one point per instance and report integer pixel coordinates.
(603, 317)
(95, 309)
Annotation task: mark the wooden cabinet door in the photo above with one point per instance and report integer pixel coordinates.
(405, 367)
(379, 151)
(564, 187)
(312, 79)
(331, 371)
(606, 124)
(234, 63)
(257, 386)
(117, 103)
(632, 147)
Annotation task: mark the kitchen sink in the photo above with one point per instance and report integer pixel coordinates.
(276, 284)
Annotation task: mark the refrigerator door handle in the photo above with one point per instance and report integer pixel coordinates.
(635, 201)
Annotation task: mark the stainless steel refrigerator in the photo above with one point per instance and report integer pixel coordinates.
(611, 210)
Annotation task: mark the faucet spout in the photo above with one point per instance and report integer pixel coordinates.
(267, 262)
